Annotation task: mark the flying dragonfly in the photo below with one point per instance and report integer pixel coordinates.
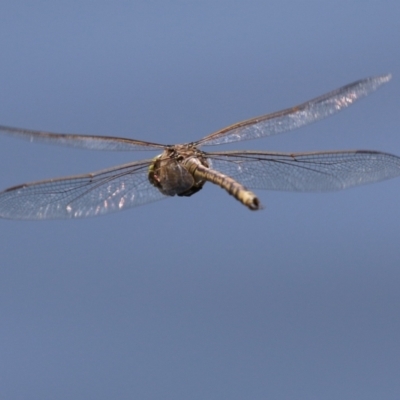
(183, 169)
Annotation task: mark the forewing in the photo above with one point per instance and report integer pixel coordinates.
(81, 196)
(81, 141)
(306, 172)
(292, 118)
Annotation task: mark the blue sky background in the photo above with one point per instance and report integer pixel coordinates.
(199, 298)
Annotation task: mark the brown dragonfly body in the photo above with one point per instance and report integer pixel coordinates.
(183, 170)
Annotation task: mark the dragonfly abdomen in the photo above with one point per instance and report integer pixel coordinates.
(234, 188)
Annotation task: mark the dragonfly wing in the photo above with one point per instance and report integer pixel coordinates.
(81, 196)
(81, 141)
(292, 118)
(306, 172)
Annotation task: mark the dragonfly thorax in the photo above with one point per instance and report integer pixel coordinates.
(169, 171)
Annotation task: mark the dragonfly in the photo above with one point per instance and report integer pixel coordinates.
(183, 169)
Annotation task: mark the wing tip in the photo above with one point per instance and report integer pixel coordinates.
(381, 79)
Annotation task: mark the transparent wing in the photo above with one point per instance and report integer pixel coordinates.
(82, 141)
(81, 196)
(306, 172)
(292, 118)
